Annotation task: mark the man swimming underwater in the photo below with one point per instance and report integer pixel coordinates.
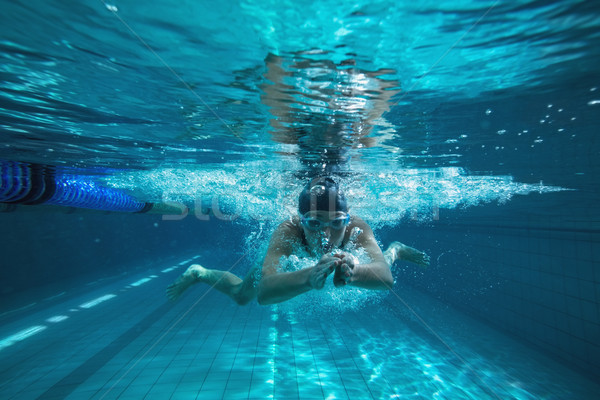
(323, 227)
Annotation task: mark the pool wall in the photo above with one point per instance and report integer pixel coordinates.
(533, 276)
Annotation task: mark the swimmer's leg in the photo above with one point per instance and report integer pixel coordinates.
(248, 289)
(398, 251)
(242, 291)
(194, 274)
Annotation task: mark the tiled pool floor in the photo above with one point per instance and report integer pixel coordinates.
(124, 340)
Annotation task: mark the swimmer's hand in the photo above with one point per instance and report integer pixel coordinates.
(345, 270)
(322, 270)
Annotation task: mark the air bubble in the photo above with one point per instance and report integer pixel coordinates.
(488, 111)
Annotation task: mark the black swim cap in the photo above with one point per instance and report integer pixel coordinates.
(322, 194)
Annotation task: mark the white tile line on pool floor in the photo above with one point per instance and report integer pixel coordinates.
(289, 349)
(35, 329)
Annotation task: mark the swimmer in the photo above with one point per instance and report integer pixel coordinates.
(324, 227)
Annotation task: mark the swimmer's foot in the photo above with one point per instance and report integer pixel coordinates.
(399, 251)
(193, 274)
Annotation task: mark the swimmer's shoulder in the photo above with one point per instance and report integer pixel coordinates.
(357, 222)
(290, 228)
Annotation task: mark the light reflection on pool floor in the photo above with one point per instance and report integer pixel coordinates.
(136, 345)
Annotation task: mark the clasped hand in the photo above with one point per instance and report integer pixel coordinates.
(345, 269)
(342, 263)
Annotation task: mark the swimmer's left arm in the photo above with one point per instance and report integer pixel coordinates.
(374, 275)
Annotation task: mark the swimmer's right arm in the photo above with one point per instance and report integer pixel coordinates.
(282, 286)
(276, 286)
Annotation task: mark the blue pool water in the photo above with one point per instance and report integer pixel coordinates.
(465, 129)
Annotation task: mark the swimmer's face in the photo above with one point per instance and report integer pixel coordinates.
(324, 230)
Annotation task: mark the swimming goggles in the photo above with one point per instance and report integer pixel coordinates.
(315, 224)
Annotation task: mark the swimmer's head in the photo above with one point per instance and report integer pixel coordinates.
(324, 214)
(322, 194)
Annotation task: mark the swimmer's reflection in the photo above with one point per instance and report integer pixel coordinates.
(323, 108)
